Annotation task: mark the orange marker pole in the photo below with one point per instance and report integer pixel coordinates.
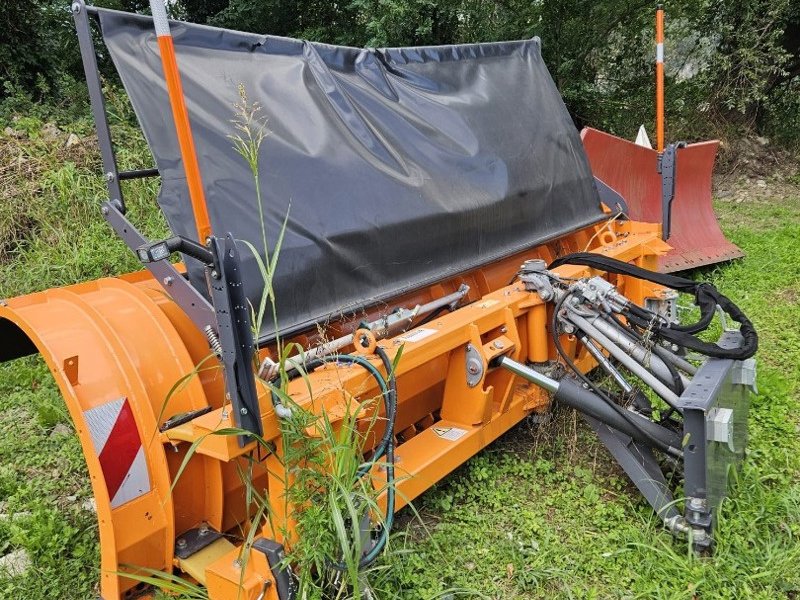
(181, 117)
(660, 78)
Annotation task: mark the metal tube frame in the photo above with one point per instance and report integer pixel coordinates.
(630, 363)
(647, 358)
(193, 303)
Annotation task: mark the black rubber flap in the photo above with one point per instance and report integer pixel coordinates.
(398, 167)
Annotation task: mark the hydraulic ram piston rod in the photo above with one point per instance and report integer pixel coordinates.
(574, 395)
(649, 360)
(381, 328)
(630, 363)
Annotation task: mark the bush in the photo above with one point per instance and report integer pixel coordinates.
(733, 66)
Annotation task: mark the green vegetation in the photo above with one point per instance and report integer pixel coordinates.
(731, 65)
(543, 512)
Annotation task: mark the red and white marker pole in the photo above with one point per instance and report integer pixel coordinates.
(660, 78)
(181, 118)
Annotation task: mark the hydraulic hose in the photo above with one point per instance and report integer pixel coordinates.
(385, 447)
(388, 388)
(386, 527)
(383, 386)
(706, 296)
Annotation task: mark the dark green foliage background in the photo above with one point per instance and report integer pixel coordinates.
(745, 54)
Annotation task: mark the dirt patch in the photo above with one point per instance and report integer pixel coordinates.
(753, 170)
(789, 296)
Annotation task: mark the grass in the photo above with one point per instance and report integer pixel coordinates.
(543, 512)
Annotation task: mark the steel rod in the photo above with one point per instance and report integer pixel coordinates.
(137, 174)
(543, 381)
(629, 362)
(649, 360)
(605, 364)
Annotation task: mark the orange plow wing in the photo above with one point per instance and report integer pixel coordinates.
(631, 170)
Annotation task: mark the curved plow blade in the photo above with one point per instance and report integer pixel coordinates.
(631, 170)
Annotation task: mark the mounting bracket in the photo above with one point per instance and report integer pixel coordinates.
(237, 348)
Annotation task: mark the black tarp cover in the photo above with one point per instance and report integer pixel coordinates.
(402, 166)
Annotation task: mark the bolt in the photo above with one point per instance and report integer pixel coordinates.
(473, 369)
(203, 529)
(181, 543)
(498, 344)
(243, 410)
(168, 280)
(110, 176)
(214, 274)
(104, 210)
(76, 8)
(504, 329)
(237, 564)
(697, 504)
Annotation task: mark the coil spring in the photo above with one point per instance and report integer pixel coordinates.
(213, 340)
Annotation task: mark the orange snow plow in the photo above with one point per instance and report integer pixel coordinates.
(431, 271)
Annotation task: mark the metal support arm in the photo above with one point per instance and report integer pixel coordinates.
(235, 336)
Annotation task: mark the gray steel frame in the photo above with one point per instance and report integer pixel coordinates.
(226, 322)
(193, 303)
(718, 383)
(707, 461)
(638, 461)
(235, 336)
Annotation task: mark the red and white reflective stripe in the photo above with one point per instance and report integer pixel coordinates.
(116, 441)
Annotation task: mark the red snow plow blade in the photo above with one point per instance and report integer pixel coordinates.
(631, 170)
